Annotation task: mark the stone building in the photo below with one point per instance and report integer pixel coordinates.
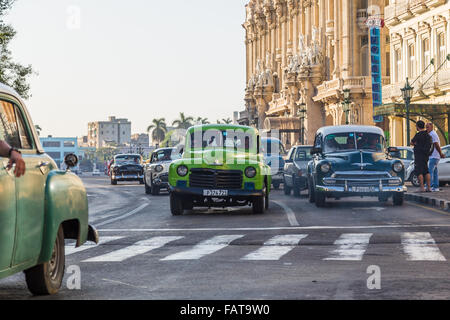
(419, 33)
(301, 56)
(111, 132)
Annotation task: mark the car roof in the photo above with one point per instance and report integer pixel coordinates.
(350, 128)
(162, 149)
(127, 154)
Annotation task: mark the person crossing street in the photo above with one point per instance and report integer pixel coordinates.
(422, 143)
(435, 157)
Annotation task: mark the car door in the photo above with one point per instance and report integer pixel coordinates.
(444, 166)
(289, 167)
(7, 207)
(30, 188)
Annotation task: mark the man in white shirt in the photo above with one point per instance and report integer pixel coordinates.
(434, 158)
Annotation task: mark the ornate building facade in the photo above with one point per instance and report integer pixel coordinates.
(419, 45)
(302, 55)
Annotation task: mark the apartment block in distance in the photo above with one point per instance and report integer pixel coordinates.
(114, 131)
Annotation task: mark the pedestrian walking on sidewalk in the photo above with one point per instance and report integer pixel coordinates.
(422, 143)
(435, 157)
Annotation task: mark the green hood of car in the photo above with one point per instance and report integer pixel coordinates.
(220, 157)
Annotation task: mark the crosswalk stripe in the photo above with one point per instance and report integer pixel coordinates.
(204, 248)
(276, 247)
(70, 249)
(136, 249)
(351, 247)
(420, 246)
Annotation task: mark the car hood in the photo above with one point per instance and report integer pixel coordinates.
(359, 160)
(128, 166)
(220, 157)
(302, 165)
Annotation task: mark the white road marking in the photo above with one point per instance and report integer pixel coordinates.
(351, 247)
(204, 248)
(390, 226)
(378, 209)
(70, 249)
(123, 216)
(276, 247)
(420, 246)
(290, 214)
(138, 248)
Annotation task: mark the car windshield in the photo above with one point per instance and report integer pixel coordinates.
(303, 154)
(229, 139)
(348, 141)
(128, 160)
(166, 155)
(269, 146)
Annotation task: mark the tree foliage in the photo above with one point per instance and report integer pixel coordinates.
(12, 73)
(158, 129)
(183, 122)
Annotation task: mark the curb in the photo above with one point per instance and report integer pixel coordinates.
(430, 201)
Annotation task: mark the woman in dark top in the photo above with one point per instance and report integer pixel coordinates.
(422, 143)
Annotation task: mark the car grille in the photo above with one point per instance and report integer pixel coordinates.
(365, 176)
(164, 177)
(220, 179)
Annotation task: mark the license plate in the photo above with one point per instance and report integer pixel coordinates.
(215, 193)
(363, 189)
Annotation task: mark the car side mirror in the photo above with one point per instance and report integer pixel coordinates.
(71, 160)
(315, 151)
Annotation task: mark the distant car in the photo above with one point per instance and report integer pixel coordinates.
(39, 210)
(406, 154)
(351, 161)
(96, 172)
(443, 169)
(156, 172)
(296, 169)
(273, 150)
(127, 167)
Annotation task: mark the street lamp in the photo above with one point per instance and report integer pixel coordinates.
(407, 92)
(346, 104)
(302, 114)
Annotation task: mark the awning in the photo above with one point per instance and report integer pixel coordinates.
(427, 110)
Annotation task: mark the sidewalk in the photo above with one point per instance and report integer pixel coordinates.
(439, 199)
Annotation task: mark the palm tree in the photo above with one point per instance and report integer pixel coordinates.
(183, 122)
(158, 129)
(201, 120)
(225, 121)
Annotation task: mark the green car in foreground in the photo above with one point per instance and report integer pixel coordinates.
(221, 167)
(40, 209)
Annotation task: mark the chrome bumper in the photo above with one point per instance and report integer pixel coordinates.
(349, 189)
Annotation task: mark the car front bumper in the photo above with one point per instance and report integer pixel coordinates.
(278, 177)
(127, 177)
(349, 191)
(232, 193)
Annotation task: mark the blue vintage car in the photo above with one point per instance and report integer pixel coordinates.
(353, 161)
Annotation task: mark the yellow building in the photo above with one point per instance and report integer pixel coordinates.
(301, 58)
(419, 32)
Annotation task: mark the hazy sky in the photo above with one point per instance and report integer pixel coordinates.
(139, 59)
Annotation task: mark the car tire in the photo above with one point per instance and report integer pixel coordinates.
(141, 181)
(296, 192)
(311, 193)
(320, 199)
(399, 198)
(188, 205)
(287, 190)
(415, 179)
(276, 185)
(113, 182)
(46, 278)
(148, 190)
(266, 198)
(176, 205)
(259, 203)
(155, 190)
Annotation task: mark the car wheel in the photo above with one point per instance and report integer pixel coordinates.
(287, 190)
(320, 199)
(398, 198)
(311, 193)
(188, 205)
(259, 204)
(46, 278)
(276, 185)
(415, 179)
(148, 190)
(176, 205)
(141, 181)
(113, 182)
(155, 190)
(266, 197)
(296, 192)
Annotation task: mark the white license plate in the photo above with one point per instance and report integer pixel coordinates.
(215, 193)
(363, 189)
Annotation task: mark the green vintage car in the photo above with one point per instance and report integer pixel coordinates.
(221, 167)
(40, 209)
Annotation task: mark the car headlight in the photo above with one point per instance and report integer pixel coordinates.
(182, 171)
(325, 167)
(159, 168)
(250, 172)
(397, 167)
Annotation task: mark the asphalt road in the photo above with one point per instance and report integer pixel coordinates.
(293, 251)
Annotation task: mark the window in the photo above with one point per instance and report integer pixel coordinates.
(398, 66)
(303, 154)
(353, 141)
(51, 144)
(426, 55)
(442, 49)
(412, 61)
(12, 126)
(69, 144)
(54, 155)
